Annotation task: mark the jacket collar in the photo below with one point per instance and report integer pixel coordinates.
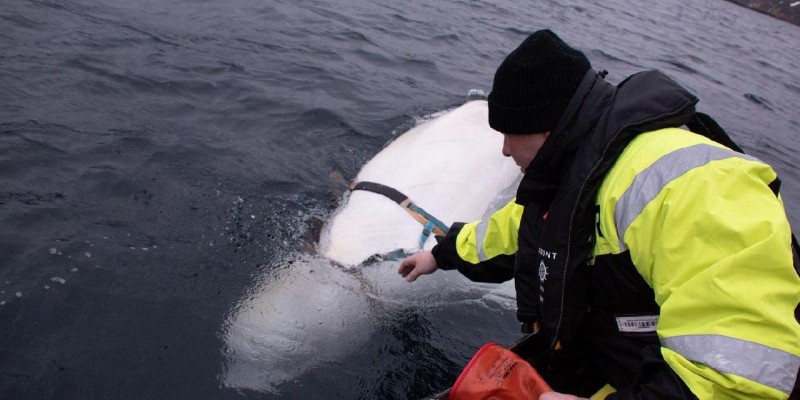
(544, 174)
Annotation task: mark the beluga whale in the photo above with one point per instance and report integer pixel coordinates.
(317, 309)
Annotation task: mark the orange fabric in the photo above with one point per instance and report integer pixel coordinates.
(497, 373)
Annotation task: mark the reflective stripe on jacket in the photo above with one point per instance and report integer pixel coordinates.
(501, 230)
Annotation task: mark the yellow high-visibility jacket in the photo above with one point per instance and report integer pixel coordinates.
(706, 236)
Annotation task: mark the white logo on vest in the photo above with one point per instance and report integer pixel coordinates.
(542, 272)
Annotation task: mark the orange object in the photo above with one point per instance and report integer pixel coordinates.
(497, 373)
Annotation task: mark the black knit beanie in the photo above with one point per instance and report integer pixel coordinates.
(534, 84)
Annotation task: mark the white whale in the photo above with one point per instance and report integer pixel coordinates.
(315, 309)
(451, 166)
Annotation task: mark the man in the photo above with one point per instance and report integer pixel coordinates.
(649, 259)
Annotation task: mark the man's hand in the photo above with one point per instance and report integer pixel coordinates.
(421, 263)
(559, 396)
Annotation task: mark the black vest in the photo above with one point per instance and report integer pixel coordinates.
(559, 188)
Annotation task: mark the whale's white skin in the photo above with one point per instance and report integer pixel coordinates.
(311, 314)
(308, 311)
(451, 166)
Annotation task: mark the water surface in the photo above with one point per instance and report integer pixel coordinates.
(157, 159)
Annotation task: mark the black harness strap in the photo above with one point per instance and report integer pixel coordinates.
(431, 223)
(392, 193)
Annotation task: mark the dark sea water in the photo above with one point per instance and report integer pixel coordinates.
(157, 157)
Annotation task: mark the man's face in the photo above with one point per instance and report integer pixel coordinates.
(523, 148)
